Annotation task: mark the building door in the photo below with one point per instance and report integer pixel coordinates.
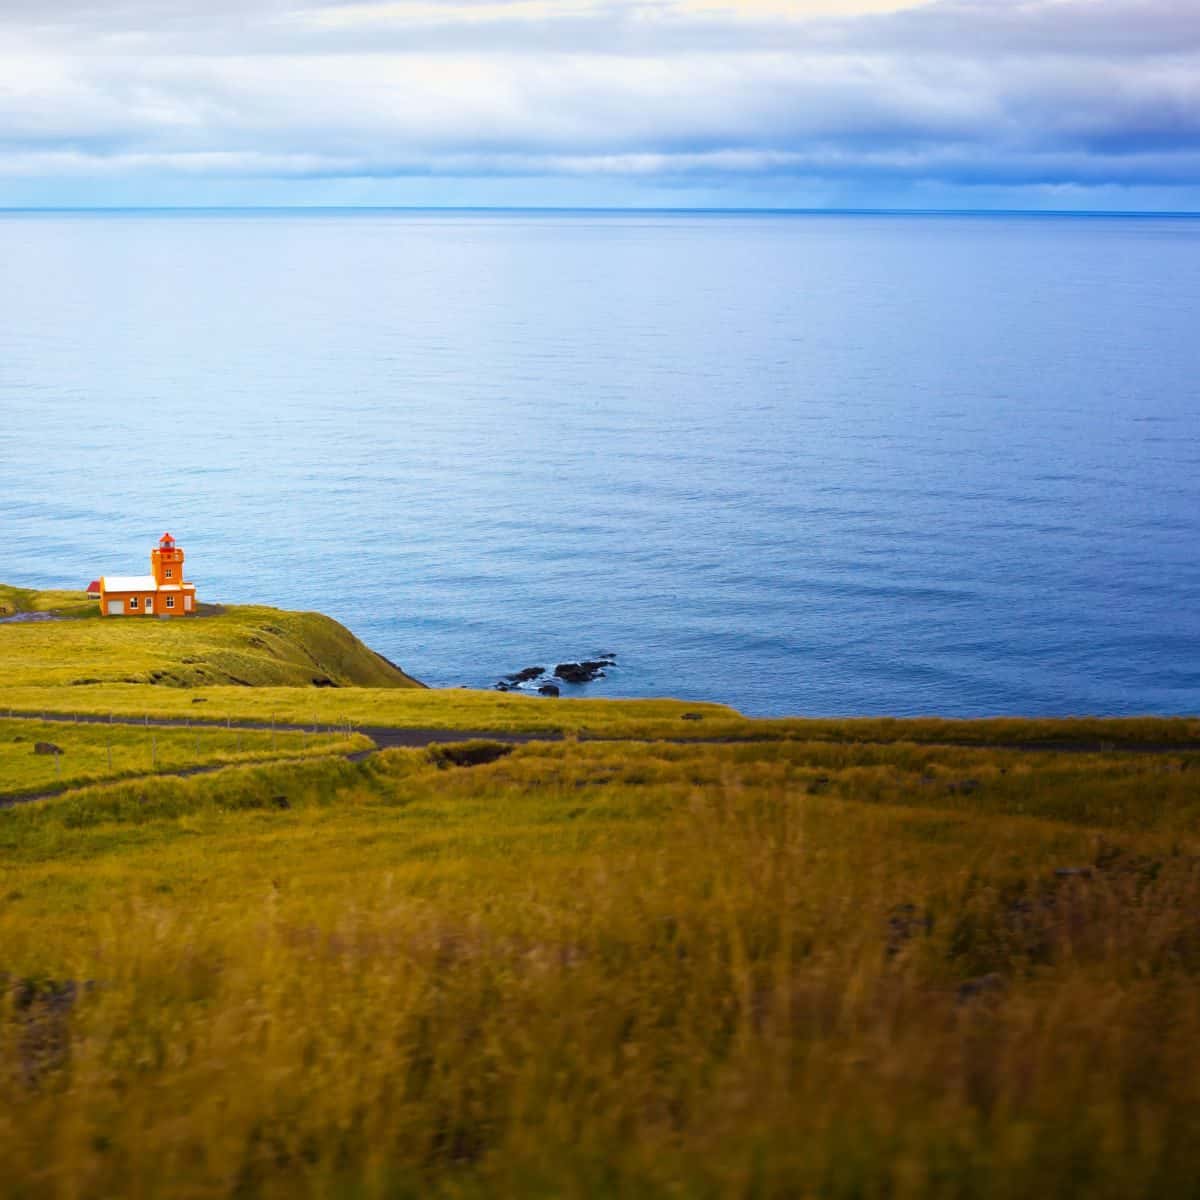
(187, 604)
(149, 605)
(116, 608)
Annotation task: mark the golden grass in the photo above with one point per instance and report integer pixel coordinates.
(765, 970)
(463, 708)
(92, 753)
(452, 708)
(864, 960)
(25, 600)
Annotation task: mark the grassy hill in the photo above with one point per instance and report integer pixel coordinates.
(855, 960)
(239, 645)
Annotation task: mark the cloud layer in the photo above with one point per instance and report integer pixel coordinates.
(778, 102)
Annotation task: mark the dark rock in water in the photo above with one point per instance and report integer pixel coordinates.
(524, 676)
(584, 672)
(569, 672)
(47, 748)
(550, 689)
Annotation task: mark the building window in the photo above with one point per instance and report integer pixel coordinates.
(170, 572)
(170, 601)
(133, 602)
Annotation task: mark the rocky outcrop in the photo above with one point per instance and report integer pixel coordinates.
(585, 671)
(525, 675)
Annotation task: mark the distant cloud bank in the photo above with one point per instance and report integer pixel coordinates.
(950, 103)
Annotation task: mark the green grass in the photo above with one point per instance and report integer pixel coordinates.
(855, 960)
(15, 600)
(452, 708)
(92, 753)
(463, 708)
(242, 645)
(601, 969)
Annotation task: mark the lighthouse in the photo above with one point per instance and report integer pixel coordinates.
(166, 561)
(162, 593)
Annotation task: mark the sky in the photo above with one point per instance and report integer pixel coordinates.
(927, 104)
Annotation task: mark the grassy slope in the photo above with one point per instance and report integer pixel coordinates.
(602, 970)
(244, 645)
(26, 600)
(92, 753)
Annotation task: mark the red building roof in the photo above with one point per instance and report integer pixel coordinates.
(94, 586)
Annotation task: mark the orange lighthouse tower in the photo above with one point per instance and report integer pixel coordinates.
(163, 593)
(166, 561)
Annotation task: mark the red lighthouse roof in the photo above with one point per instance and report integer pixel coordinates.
(166, 539)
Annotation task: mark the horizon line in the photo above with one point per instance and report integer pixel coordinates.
(592, 209)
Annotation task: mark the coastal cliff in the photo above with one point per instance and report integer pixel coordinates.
(50, 638)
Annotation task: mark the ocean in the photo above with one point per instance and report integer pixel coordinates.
(808, 464)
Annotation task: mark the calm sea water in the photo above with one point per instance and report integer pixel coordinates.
(802, 464)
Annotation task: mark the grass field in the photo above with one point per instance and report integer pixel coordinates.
(862, 960)
(94, 753)
(769, 970)
(462, 708)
